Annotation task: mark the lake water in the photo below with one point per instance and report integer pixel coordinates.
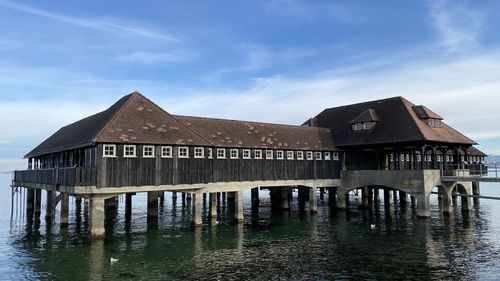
(293, 245)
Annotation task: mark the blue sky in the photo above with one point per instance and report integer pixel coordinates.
(275, 61)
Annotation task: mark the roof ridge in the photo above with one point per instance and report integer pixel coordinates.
(241, 121)
(360, 103)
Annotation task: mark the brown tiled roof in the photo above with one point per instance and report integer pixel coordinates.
(232, 133)
(474, 151)
(398, 122)
(133, 119)
(369, 115)
(425, 113)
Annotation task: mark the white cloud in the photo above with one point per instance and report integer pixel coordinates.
(107, 25)
(458, 26)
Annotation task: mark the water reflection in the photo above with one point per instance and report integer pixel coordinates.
(374, 243)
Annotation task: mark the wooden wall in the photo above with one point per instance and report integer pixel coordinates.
(120, 171)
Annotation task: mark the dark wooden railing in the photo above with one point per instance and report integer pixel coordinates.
(79, 176)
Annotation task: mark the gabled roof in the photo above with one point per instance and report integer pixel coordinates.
(398, 122)
(369, 115)
(425, 113)
(246, 134)
(133, 119)
(474, 151)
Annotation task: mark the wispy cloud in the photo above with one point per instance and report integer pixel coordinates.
(459, 26)
(98, 24)
(144, 57)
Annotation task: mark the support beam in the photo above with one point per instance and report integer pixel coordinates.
(30, 201)
(213, 205)
(403, 198)
(313, 200)
(64, 209)
(238, 206)
(365, 197)
(255, 197)
(152, 205)
(423, 206)
(38, 201)
(388, 199)
(49, 206)
(97, 217)
(128, 206)
(285, 203)
(197, 205)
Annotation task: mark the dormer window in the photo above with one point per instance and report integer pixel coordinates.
(434, 122)
(431, 118)
(365, 121)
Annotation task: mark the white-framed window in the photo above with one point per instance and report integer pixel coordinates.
(407, 157)
(309, 155)
(289, 155)
(199, 152)
(221, 153)
(318, 155)
(447, 158)
(419, 158)
(183, 152)
(300, 155)
(210, 153)
(327, 156)
(269, 154)
(280, 155)
(129, 151)
(109, 150)
(257, 154)
(148, 151)
(402, 158)
(246, 154)
(336, 156)
(438, 158)
(451, 158)
(429, 158)
(166, 152)
(391, 157)
(233, 153)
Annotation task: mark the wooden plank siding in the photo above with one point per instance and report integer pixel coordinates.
(137, 171)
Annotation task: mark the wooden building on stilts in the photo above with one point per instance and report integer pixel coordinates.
(136, 146)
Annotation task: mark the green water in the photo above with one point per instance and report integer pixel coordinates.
(292, 245)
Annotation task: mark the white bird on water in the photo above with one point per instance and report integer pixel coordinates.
(113, 260)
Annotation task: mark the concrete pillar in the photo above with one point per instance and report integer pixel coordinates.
(365, 197)
(161, 195)
(64, 209)
(174, 196)
(284, 204)
(423, 206)
(403, 198)
(188, 197)
(302, 194)
(128, 206)
(183, 198)
(322, 194)
(255, 197)
(152, 205)
(342, 200)
(446, 203)
(395, 196)
(370, 195)
(49, 211)
(331, 196)
(96, 225)
(30, 201)
(466, 203)
(412, 199)
(313, 200)
(213, 205)
(111, 203)
(238, 206)
(38, 201)
(476, 190)
(388, 198)
(197, 205)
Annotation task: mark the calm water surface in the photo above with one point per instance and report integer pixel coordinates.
(331, 245)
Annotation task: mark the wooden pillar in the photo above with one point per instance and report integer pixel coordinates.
(376, 195)
(128, 206)
(238, 207)
(255, 197)
(322, 193)
(476, 190)
(49, 211)
(188, 196)
(331, 196)
(302, 194)
(174, 196)
(395, 196)
(370, 195)
(387, 198)
(197, 205)
(213, 205)
(183, 198)
(161, 195)
(96, 226)
(403, 198)
(152, 205)
(38, 201)
(64, 209)
(313, 200)
(30, 201)
(364, 197)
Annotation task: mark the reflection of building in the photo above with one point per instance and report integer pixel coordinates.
(135, 146)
